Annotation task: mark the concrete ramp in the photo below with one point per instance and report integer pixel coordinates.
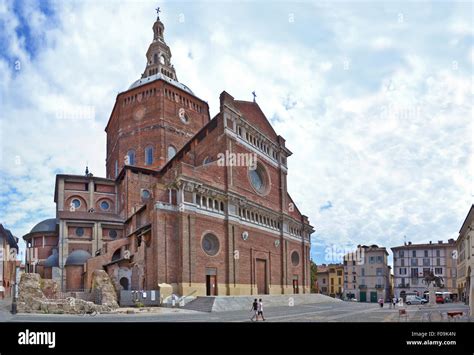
(242, 303)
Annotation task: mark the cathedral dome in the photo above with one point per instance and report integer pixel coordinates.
(158, 76)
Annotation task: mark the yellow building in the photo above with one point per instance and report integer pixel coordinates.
(336, 280)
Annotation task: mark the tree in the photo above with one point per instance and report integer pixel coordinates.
(314, 270)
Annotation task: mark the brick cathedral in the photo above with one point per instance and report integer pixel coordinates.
(172, 211)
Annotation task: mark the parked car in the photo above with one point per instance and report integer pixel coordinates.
(439, 299)
(415, 300)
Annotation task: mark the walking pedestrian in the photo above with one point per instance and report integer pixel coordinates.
(254, 309)
(381, 302)
(394, 301)
(260, 309)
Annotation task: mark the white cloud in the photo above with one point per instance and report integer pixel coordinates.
(381, 43)
(391, 159)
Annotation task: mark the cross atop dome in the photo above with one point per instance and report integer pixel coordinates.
(158, 13)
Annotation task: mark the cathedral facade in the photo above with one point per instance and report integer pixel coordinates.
(196, 203)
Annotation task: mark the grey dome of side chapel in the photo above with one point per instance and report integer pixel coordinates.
(48, 225)
(78, 257)
(52, 260)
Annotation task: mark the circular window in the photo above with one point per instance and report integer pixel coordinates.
(104, 205)
(207, 160)
(257, 178)
(183, 115)
(76, 203)
(79, 231)
(295, 258)
(113, 233)
(146, 194)
(210, 244)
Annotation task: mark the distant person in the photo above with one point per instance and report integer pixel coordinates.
(394, 301)
(254, 309)
(381, 302)
(260, 309)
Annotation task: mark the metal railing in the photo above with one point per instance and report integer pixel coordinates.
(182, 298)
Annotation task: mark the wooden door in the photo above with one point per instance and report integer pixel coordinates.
(296, 289)
(261, 276)
(211, 285)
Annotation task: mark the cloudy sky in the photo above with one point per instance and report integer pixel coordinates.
(373, 98)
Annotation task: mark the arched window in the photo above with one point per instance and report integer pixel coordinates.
(155, 58)
(171, 152)
(149, 155)
(131, 157)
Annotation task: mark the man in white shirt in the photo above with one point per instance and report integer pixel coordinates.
(260, 309)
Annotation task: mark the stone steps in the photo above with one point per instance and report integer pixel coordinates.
(242, 303)
(201, 304)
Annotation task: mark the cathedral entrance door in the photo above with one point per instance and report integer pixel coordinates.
(261, 276)
(211, 282)
(296, 288)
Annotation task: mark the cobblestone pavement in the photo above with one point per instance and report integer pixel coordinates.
(322, 312)
(5, 308)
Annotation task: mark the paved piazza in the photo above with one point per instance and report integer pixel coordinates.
(322, 312)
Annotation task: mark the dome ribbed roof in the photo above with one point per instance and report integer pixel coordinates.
(158, 76)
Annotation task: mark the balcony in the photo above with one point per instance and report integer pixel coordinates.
(362, 287)
(405, 285)
(379, 286)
